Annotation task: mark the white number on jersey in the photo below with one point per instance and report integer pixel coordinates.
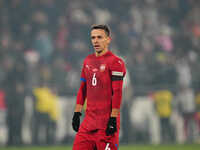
(107, 146)
(94, 80)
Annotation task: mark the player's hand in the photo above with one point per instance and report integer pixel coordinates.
(112, 126)
(76, 121)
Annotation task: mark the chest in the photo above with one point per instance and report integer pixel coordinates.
(97, 72)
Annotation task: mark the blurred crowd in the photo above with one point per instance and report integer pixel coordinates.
(43, 44)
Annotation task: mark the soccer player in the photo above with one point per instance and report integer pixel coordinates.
(101, 83)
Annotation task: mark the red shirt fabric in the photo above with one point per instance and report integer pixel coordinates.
(97, 86)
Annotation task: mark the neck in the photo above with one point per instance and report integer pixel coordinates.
(100, 53)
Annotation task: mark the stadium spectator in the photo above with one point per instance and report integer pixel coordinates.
(163, 105)
(45, 116)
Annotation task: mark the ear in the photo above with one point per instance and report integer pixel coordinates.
(109, 39)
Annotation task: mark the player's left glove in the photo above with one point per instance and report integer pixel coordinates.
(112, 126)
(76, 121)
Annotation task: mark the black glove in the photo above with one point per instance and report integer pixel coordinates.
(112, 126)
(76, 121)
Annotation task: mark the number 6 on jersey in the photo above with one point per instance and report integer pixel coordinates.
(94, 80)
(107, 146)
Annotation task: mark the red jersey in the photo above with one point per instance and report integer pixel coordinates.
(98, 75)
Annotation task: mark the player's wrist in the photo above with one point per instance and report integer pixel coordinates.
(115, 112)
(78, 108)
(114, 115)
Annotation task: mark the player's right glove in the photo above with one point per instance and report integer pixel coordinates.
(112, 126)
(76, 121)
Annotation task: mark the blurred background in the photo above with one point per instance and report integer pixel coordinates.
(42, 47)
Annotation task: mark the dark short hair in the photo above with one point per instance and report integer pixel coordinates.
(103, 27)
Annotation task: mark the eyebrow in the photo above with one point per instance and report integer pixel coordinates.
(96, 36)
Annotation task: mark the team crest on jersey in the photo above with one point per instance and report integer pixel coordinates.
(102, 67)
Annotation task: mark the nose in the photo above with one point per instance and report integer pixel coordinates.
(95, 40)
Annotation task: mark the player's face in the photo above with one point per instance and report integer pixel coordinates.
(100, 40)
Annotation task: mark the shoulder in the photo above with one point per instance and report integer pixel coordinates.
(117, 64)
(115, 59)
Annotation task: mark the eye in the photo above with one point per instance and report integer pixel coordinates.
(99, 37)
(92, 37)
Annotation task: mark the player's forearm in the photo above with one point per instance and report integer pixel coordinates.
(78, 108)
(117, 97)
(115, 112)
(81, 94)
(117, 94)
